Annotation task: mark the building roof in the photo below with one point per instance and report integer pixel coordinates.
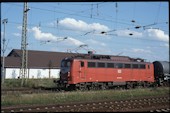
(36, 59)
(47, 59)
(11, 62)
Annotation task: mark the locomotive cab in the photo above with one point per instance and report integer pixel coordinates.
(65, 70)
(64, 75)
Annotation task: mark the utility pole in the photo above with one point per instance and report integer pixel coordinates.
(4, 21)
(23, 71)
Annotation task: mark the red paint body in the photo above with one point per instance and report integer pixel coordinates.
(79, 74)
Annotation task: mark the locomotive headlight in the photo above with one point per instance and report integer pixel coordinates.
(69, 77)
(68, 74)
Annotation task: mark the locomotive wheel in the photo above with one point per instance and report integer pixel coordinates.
(91, 88)
(166, 84)
(72, 87)
(82, 87)
(145, 84)
(94, 87)
(129, 85)
(138, 85)
(104, 87)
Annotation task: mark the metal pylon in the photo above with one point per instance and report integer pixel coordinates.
(23, 70)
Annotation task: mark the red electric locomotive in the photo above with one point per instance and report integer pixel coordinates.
(103, 72)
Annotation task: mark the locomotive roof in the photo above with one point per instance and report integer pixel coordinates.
(108, 58)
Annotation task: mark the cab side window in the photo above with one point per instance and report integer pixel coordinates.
(82, 64)
(91, 64)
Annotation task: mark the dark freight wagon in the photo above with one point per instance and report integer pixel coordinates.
(161, 72)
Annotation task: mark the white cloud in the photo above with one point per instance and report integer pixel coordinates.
(96, 43)
(153, 34)
(17, 34)
(137, 50)
(19, 27)
(74, 41)
(126, 33)
(43, 36)
(156, 34)
(81, 25)
(39, 35)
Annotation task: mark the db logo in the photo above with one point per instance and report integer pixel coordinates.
(119, 71)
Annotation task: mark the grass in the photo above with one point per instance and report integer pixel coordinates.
(77, 96)
(31, 83)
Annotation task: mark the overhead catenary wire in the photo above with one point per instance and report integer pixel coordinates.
(9, 22)
(93, 18)
(119, 22)
(64, 29)
(75, 14)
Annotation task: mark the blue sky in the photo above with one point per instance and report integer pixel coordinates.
(135, 29)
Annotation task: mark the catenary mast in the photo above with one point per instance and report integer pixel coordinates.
(24, 58)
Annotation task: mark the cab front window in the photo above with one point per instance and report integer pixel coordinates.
(65, 64)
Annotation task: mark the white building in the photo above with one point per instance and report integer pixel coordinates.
(41, 64)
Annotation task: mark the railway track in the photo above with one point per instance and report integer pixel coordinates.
(161, 110)
(151, 104)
